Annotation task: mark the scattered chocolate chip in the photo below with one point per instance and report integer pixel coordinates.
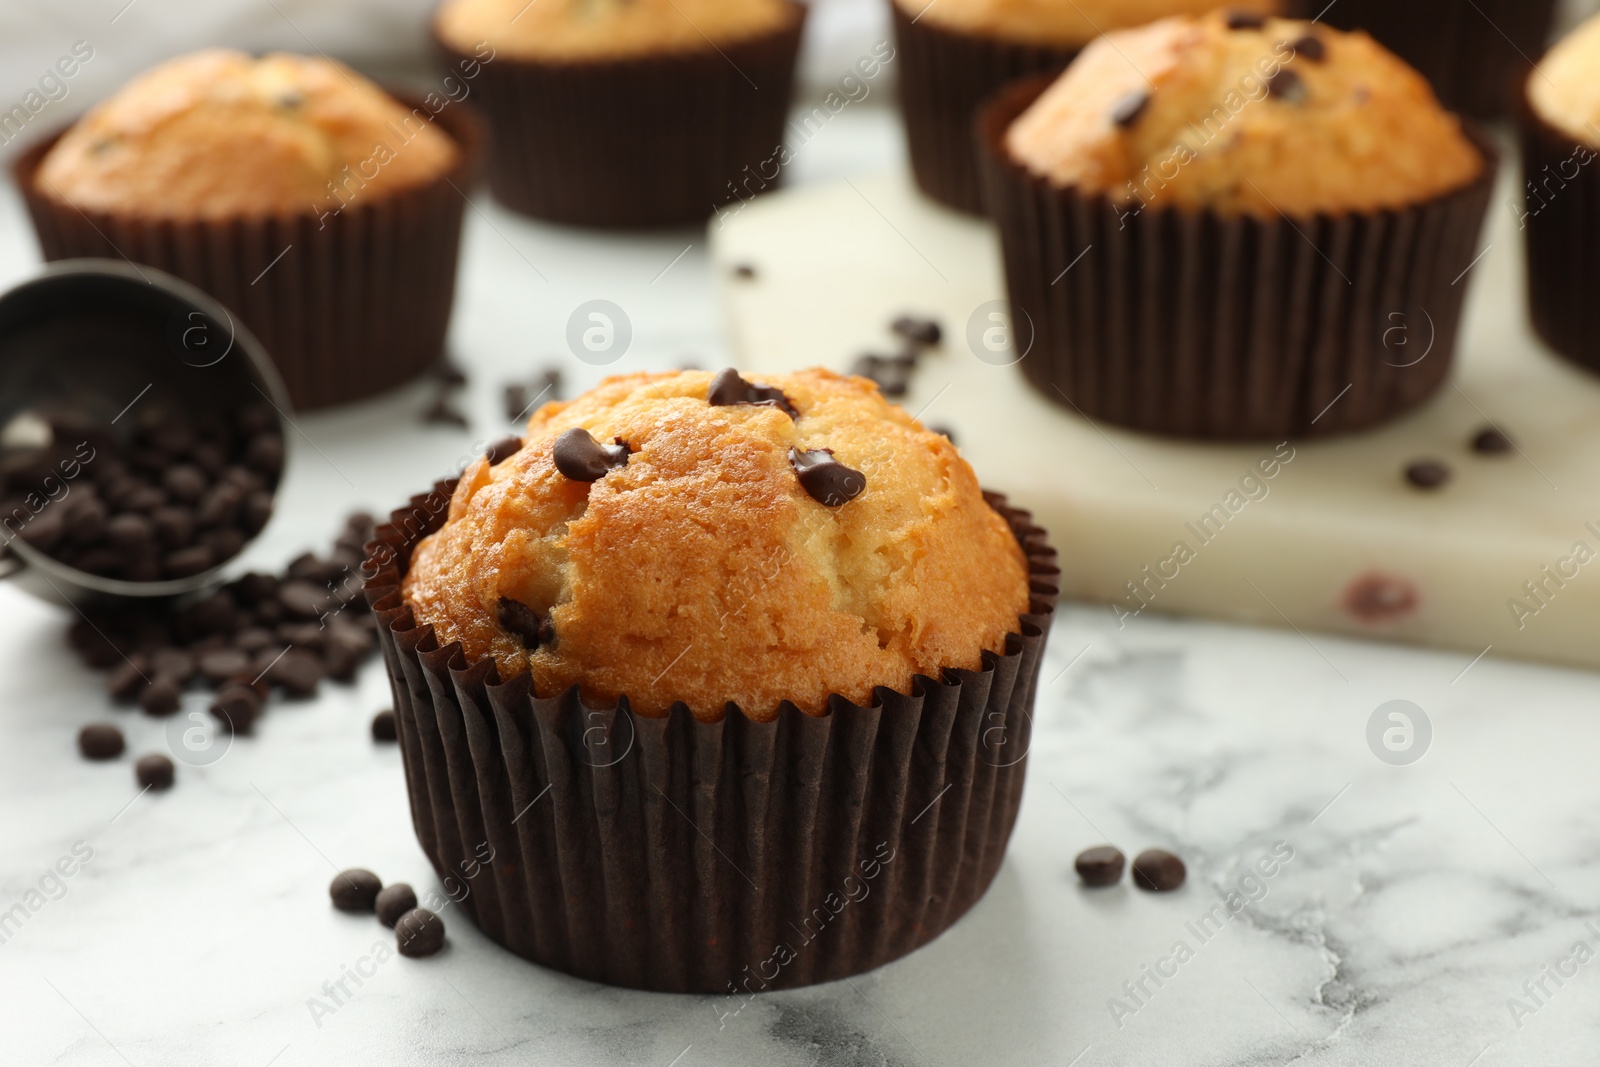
(518, 619)
(1310, 47)
(384, 727)
(1128, 107)
(236, 707)
(728, 389)
(100, 741)
(1156, 870)
(304, 599)
(918, 331)
(891, 373)
(298, 672)
(517, 401)
(1245, 20)
(154, 771)
(343, 652)
(744, 272)
(1287, 86)
(583, 459)
(173, 663)
(503, 450)
(826, 479)
(1491, 442)
(128, 680)
(223, 664)
(355, 889)
(1427, 474)
(161, 697)
(393, 901)
(419, 932)
(1100, 866)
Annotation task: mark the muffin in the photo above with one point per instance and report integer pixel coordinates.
(1474, 52)
(628, 112)
(1272, 219)
(954, 54)
(321, 210)
(1560, 218)
(746, 631)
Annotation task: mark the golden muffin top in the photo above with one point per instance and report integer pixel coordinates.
(219, 134)
(712, 539)
(1245, 116)
(1062, 23)
(606, 29)
(1565, 87)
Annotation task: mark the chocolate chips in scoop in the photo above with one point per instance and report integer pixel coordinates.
(583, 459)
(728, 389)
(826, 479)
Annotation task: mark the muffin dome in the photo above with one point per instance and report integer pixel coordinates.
(1065, 24)
(1565, 88)
(220, 133)
(710, 562)
(1245, 116)
(606, 29)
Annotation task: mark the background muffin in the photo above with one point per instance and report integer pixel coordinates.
(704, 571)
(1270, 161)
(214, 165)
(628, 112)
(1561, 214)
(956, 53)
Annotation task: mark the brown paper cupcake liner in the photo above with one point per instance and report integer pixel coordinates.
(1475, 52)
(1198, 325)
(347, 304)
(682, 856)
(944, 77)
(642, 141)
(1561, 228)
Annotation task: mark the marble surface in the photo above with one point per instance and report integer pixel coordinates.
(1416, 903)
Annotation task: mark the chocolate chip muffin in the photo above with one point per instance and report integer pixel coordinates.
(214, 165)
(797, 539)
(954, 54)
(1560, 218)
(1305, 188)
(768, 619)
(628, 112)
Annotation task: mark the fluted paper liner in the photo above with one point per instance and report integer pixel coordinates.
(1475, 52)
(1195, 324)
(358, 302)
(643, 141)
(944, 76)
(677, 855)
(1561, 227)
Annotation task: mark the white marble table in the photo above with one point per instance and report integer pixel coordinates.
(1418, 900)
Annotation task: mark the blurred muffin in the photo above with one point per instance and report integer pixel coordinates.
(954, 54)
(1561, 215)
(628, 112)
(1475, 53)
(213, 165)
(779, 606)
(1303, 186)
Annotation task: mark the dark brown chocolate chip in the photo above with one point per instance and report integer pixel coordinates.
(728, 389)
(128, 680)
(265, 454)
(442, 412)
(1491, 442)
(1310, 47)
(1244, 20)
(174, 526)
(826, 479)
(1156, 870)
(448, 372)
(173, 663)
(1287, 86)
(583, 459)
(343, 652)
(518, 619)
(303, 635)
(503, 450)
(236, 707)
(355, 889)
(223, 664)
(917, 330)
(517, 399)
(1427, 474)
(394, 901)
(384, 727)
(744, 271)
(130, 530)
(892, 374)
(1128, 108)
(252, 640)
(298, 672)
(187, 562)
(304, 599)
(100, 741)
(161, 697)
(419, 932)
(184, 482)
(154, 771)
(1100, 866)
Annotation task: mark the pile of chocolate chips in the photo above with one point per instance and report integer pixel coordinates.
(418, 931)
(181, 495)
(259, 631)
(893, 373)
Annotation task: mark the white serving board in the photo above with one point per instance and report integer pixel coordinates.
(836, 263)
